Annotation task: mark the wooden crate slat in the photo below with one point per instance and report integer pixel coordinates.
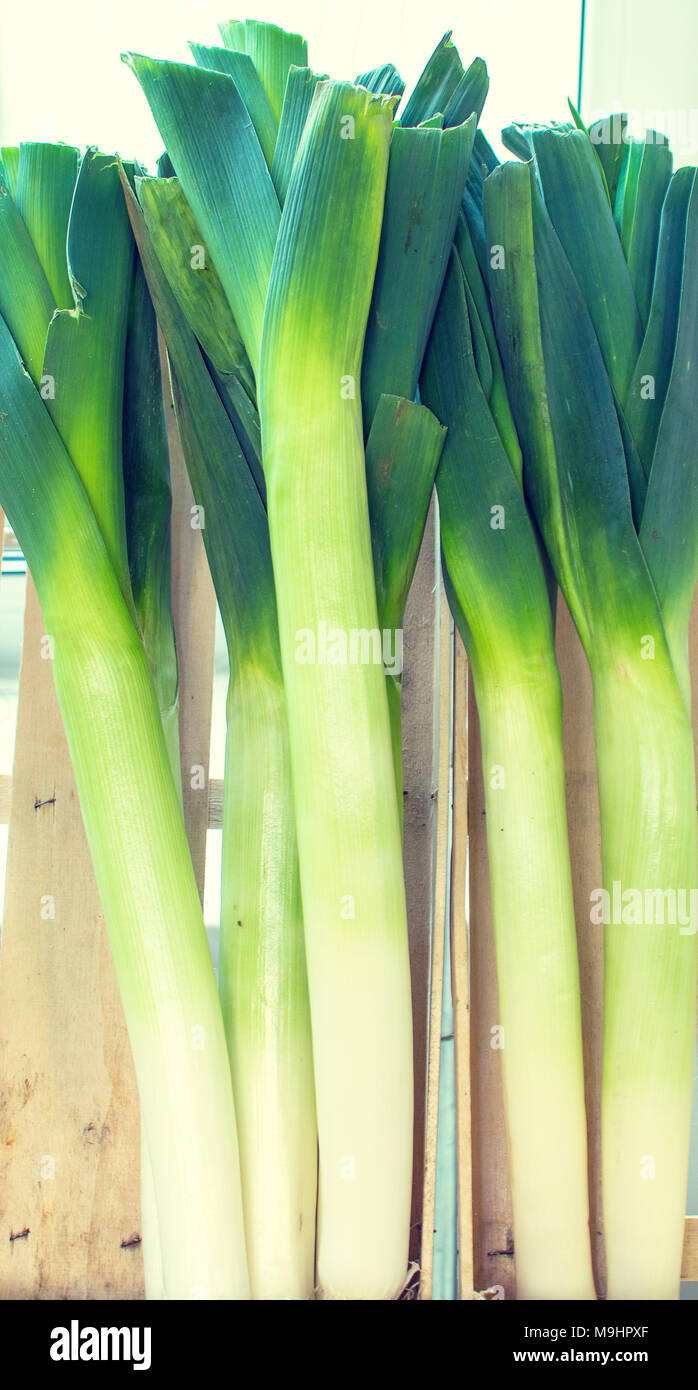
(460, 971)
(419, 744)
(689, 1264)
(585, 855)
(215, 800)
(5, 797)
(437, 944)
(69, 1145)
(492, 1215)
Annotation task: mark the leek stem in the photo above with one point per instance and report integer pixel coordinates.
(352, 885)
(349, 840)
(264, 993)
(644, 751)
(163, 964)
(538, 979)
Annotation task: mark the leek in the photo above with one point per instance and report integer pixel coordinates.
(263, 980)
(272, 50)
(127, 793)
(348, 829)
(263, 984)
(625, 553)
(427, 169)
(496, 582)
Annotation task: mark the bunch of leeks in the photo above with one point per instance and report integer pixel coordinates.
(496, 579)
(315, 263)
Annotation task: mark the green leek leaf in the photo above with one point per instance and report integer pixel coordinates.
(480, 313)
(669, 531)
(241, 68)
(85, 348)
(436, 85)
(426, 176)
(300, 90)
(46, 180)
(571, 179)
(574, 462)
(26, 301)
(191, 274)
(517, 139)
(9, 155)
(640, 245)
(148, 506)
(608, 138)
(503, 576)
(219, 163)
(272, 50)
(645, 403)
(385, 79)
(402, 454)
(232, 32)
(469, 96)
(241, 573)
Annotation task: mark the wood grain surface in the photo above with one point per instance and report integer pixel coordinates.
(420, 735)
(460, 971)
(444, 687)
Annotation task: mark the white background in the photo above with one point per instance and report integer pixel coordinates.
(61, 78)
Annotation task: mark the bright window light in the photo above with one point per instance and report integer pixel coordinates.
(61, 78)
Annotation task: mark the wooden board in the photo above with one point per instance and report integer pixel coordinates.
(585, 856)
(214, 812)
(436, 973)
(460, 970)
(493, 1239)
(69, 1145)
(689, 1264)
(420, 749)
